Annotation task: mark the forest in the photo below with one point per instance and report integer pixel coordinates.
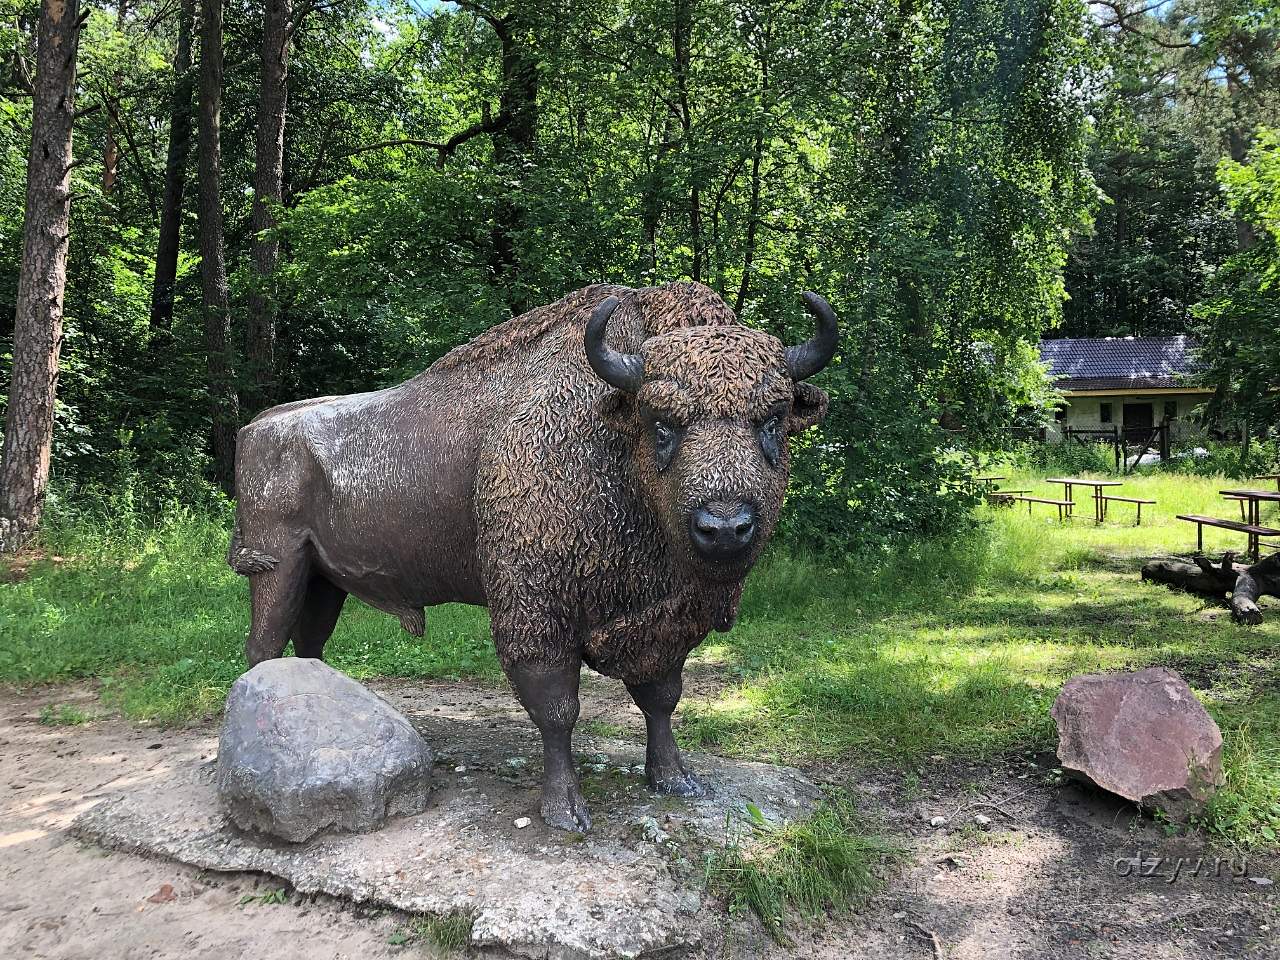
(232, 204)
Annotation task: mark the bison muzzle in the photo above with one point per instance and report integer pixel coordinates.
(601, 472)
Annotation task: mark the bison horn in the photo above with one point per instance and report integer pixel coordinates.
(622, 370)
(808, 358)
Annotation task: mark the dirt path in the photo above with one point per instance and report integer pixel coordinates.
(1051, 876)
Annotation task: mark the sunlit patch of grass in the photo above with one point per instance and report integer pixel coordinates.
(157, 614)
(63, 715)
(830, 861)
(1247, 812)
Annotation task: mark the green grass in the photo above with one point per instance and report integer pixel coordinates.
(449, 933)
(940, 650)
(156, 614)
(62, 715)
(828, 861)
(959, 651)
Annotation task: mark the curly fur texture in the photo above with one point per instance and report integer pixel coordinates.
(509, 475)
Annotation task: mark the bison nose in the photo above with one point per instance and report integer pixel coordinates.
(723, 531)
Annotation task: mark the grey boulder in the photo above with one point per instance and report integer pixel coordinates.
(1142, 735)
(304, 748)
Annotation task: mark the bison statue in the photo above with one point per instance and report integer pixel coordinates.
(601, 472)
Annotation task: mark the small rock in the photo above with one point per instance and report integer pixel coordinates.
(305, 748)
(1261, 881)
(522, 822)
(459, 769)
(938, 821)
(982, 820)
(1142, 735)
(650, 830)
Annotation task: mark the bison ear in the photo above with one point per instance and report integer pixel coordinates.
(617, 409)
(808, 407)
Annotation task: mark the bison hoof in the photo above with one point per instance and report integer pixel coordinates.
(565, 809)
(677, 783)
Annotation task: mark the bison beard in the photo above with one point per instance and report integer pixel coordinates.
(601, 472)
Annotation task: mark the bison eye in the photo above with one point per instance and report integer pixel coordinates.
(771, 439)
(665, 440)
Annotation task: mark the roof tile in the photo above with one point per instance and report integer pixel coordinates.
(1114, 363)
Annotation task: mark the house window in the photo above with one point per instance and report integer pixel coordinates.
(1104, 412)
(1171, 409)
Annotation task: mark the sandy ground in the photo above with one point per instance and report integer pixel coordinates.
(1052, 875)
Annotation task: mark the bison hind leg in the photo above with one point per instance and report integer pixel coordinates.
(319, 615)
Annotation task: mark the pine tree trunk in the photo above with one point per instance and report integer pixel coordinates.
(268, 185)
(224, 402)
(37, 332)
(175, 173)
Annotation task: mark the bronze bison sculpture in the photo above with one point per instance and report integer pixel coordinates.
(601, 472)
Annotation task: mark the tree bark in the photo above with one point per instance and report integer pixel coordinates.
(681, 44)
(1215, 581)
(111, 150)
(268, 185)
(514, 144)
(42, 280)
(175, 173)
(215, 294)
(757, 160)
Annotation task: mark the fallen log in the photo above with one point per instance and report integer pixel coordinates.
(1262, 579)
(1201, 576)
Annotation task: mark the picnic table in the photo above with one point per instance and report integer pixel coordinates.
(1255, 499)
(1099, 501)
(1269, 476)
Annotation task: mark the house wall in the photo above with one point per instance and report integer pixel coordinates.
(1085, 413)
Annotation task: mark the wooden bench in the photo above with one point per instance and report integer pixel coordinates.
(1252, 530)
(1062, 505)
(1002, 498)
(1138, 501)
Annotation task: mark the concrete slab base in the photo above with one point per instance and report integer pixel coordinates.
(632, 887)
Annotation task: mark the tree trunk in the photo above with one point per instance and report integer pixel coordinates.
(681, 44)
(514, 144)
(37, 331)
(268, 185)
(757, 159)
(111, 151)
(175, 173)
(1214, 582)
(224, 403)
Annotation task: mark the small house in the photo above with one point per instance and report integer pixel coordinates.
(1133, 383)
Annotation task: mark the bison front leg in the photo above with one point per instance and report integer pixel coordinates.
(550, 696)
(663, 765)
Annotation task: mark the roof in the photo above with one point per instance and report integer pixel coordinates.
(1117, 363)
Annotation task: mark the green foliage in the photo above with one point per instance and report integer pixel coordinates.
(1242, 341)
(920, 162)
(828, 861)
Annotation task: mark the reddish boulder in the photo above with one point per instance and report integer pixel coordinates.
(1142, 735)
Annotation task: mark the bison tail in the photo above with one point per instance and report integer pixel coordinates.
(246, 561)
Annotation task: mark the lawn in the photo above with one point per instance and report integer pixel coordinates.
(953, 651)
